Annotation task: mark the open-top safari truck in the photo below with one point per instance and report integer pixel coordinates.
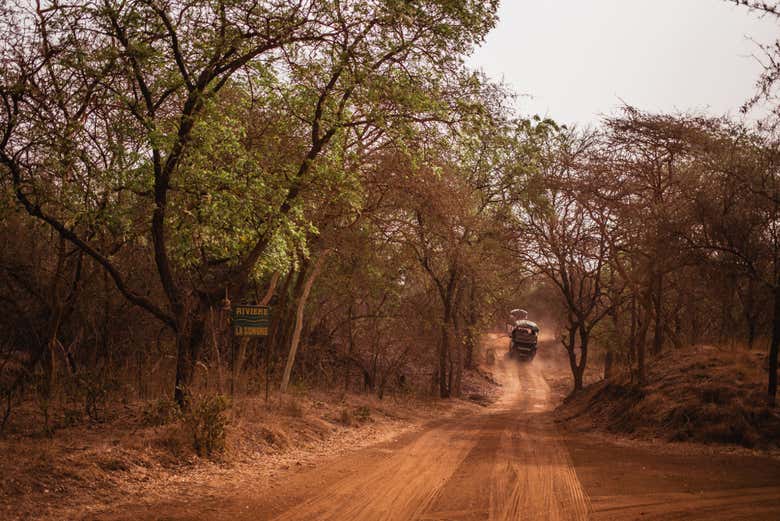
(524, 336)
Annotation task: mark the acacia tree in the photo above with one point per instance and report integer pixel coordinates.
(736, 206)
(646, 156)
(561, 236)
(108, 110)
(766, 86)
(420, 255)
(716, 216)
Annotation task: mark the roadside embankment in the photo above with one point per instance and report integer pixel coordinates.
(700, 394)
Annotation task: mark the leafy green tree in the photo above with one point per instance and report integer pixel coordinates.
(134, 119)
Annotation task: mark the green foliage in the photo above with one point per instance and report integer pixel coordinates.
(207, 424)
(209, 131)
(228, 188)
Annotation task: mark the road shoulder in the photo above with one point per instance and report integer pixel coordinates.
(628, 480)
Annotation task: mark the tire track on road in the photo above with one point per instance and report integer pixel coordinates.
(505, 464)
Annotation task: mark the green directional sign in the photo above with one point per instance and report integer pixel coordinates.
(251, 320)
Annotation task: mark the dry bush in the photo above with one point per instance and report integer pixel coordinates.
(292, 408)
(160, 412)
(701, 394)
(362, 414)
(207, 422)
(353, 416)
(275, 438)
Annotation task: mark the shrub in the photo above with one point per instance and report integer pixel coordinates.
(98, 387)
(43, 394)
(93, 389)
(173, 440)
(273, 437)
(362, 414)
(160, 412)
(207, 424)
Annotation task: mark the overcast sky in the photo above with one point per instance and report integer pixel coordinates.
(576, 59)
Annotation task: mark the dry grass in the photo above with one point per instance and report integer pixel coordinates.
(145, 451)
(699, 394)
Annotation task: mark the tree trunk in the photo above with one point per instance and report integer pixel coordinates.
(631, 346)
(658, 323)
(272, 339)
(751, 335)
(448, 296)
(444, 349)
(584, 339)
(189, 337)
(458, 367)
(678, 321)
(218, 332)
(350, 349)
(751, 316)
(727, 301)
(641, 339)
(286, 321)
(296, 338)
(773, 347)
(609, 357)
(458, 346)
(695, 320)
(471, 340)
(571, 345)
(450, 376)
(239, 350)
(577, 380)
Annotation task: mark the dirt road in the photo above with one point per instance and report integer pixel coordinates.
(507, 463)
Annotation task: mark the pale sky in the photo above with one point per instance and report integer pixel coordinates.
(575, 59)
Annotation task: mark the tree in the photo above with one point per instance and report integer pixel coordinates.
(109, 111)
(736, 207)
(766, 86)
(562, 236)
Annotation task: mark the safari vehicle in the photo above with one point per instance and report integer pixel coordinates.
(524, 337)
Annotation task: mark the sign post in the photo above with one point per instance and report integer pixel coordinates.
(251, 320)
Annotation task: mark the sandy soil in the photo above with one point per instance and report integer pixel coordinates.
(628, 481)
